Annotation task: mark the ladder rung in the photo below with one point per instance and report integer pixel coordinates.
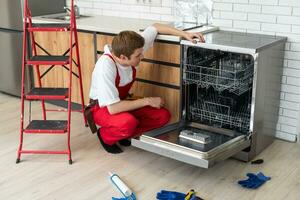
(48, 93)
(47, 126)
(48, 60)
(44, 152)
(49, 27)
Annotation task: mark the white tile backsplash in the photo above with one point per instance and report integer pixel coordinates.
(282, 28)
(264, 2)
(223, 6)
(246, 25)
(296, 11)
(276, 10)
(288, 20)
(261, 17)
(248, 8)
(235, 15)
(295, 3)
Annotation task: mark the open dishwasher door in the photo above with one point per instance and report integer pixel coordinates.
(191, 144)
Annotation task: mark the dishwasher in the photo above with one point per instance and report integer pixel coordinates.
(229, 100)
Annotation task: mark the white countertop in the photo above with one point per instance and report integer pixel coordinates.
(114, 25)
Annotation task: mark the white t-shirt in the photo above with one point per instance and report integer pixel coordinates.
(104, 74)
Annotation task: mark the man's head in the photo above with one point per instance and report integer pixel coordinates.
(127, 46)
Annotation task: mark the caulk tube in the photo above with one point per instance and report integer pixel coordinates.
(115, 179)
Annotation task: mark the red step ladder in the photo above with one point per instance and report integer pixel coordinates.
(41, 93)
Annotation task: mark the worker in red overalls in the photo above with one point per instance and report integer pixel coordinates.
(112, 78)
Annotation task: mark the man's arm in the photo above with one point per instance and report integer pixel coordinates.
(127, 105)
(165, 29)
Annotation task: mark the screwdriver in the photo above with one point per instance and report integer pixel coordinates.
(191, 195)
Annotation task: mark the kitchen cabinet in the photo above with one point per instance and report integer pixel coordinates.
(56, 43)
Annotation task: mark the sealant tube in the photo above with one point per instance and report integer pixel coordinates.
(122, 187)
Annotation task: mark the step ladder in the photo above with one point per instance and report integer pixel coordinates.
(32, 59)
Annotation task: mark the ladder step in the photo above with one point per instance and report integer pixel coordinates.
(48, 93)
(47, 126)
(48, 60)
(44, 152)
(49, 27)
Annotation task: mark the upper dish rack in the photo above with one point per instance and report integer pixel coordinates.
(222, 71)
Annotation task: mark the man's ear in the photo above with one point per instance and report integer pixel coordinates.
(123, 57)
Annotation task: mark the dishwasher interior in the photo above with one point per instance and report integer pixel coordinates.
(219, 87)
(217, 90)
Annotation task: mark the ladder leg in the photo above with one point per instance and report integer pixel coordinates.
(80, 76)
(24, 54)
(69, 148)
(70, 86)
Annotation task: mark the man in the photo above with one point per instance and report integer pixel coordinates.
(112, 78)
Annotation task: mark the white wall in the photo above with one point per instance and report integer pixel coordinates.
(274, 17)
(156, 10)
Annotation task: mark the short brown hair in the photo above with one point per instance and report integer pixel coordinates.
(126, 42)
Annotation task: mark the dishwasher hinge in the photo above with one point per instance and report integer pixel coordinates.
(249, 135)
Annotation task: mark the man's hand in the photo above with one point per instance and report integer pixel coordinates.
(155, 102)
(192, 36)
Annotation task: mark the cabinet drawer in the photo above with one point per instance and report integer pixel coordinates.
(170, 96)
(102, 40)
(164, 52)
(159, 73)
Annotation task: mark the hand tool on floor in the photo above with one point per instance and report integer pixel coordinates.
(122, 187)
(191, 195)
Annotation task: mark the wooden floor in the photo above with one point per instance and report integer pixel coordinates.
(51, 177)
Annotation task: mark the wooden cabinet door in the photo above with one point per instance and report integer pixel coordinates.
(164, 52)
(57, 43)
(87, 59)
(169, 95)
(159, 73)
(102, 40)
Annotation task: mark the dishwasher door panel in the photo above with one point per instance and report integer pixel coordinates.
(167, 141)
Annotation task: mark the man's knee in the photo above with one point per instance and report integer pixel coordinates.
(164, 115)
(128, 125)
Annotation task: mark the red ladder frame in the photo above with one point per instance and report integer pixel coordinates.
(53, 126)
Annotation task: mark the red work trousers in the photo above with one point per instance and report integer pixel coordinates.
(128, 124)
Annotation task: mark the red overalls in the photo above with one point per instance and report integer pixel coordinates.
(127, 124)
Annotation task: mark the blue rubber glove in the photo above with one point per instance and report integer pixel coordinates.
(169, 195)
(254, 181)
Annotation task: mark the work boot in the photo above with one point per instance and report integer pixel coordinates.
(114, 149)
(125, 142)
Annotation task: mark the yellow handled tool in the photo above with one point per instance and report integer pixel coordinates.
(189, 195)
